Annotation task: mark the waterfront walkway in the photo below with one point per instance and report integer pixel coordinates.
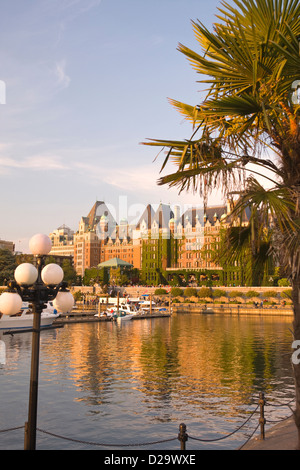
(282, 436)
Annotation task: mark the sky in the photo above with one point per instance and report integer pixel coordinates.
(82, 84)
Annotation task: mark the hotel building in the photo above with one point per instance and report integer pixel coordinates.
(163, 244)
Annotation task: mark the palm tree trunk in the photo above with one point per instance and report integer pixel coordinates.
(296, 367)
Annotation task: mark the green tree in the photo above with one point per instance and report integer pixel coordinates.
(119, 277)
(246, 129)
(246, 251)
(95, 275)
(7, 266)
(70, 275)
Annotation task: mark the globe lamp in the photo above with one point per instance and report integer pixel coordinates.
(64, 301)
(52, 274)
(26, 274)
(10, 303)
(40, 244)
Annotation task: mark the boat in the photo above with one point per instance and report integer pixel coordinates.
(124, 313)
(128, 309)
(24, 319)
(146, 307)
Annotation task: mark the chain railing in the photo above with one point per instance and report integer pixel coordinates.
(183, 436)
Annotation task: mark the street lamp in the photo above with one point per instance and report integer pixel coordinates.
(37, 285)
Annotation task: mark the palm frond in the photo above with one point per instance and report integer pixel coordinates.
(275, 205)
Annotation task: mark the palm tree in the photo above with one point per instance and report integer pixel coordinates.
(246, 129)
(251, 256)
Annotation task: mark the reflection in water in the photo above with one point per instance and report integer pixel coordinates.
(135, 382)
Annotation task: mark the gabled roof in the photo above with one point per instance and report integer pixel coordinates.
(147, 215)
(163, 215)
(212, 214)
(97, 211)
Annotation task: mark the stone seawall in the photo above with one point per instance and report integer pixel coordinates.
(232, 309)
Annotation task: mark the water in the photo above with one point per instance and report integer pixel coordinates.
(134, 383)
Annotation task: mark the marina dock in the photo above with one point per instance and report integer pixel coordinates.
(89, 317)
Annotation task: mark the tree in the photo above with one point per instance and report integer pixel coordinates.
(119, 277)
(248, 256)
(70, 275)
(98, 275)
(7, 266)
(246, 130)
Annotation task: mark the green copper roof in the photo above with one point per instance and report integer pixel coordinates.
(114, 263)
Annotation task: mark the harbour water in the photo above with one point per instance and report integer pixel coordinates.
(109, 385)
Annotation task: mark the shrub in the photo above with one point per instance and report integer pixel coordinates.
(204, 292)
(283, 282)
(160, 291)
(269, 293)
(176, 292)
(190, 292)
(217, 293)
(235, 293)
(252, 293)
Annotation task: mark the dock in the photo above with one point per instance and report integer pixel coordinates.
(80, 317)
(89, 317)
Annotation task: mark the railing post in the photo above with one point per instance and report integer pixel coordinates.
(262, 420)
(182, 436)
(26, 436)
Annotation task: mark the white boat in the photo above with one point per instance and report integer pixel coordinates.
(123, 313)
(24, 319)
(123, 316)
(128, 309)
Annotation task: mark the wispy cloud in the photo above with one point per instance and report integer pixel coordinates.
(38, 162)
(131, 179)
(141, 182)
(63, 80)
